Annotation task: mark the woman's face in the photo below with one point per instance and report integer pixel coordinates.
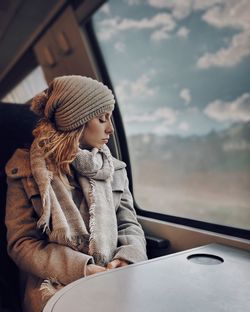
(97, 131)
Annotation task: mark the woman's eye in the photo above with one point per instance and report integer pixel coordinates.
(102, 119)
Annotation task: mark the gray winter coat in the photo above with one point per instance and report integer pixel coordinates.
(40, 259)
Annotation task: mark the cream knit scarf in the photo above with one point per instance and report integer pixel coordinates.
(61, 219)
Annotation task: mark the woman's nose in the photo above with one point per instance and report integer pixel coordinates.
(110, 128)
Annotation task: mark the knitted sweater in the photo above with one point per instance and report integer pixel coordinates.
(40, 259)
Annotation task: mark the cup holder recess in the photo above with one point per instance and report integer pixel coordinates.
(206, 259)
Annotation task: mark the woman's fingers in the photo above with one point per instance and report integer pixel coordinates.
(113, 264)
(117, 263)
(92, 269)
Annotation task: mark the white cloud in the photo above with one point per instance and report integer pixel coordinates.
(162, 114)
(205, 4)
(186, 96)
(140, 118)
(162, 129)
(105, 9)
(160, 34)
(234, 14)
(133, 2)
(165, 117)
(219, 14)
(180, 8)
(140, 88)
(122, 90)
(238, 49)
(183, 32)
(159, 20)
(158, 3)
(167, 114)
(237, 110)
(108, 28)
(120, 46)
(184, 126)
(161, 23)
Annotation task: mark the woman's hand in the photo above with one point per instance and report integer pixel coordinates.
(117, 263)
(92, 269)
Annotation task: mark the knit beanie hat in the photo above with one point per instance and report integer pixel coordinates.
(71, 101)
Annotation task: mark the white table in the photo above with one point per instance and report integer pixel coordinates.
(175, 283)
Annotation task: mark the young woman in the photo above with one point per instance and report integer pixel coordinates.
(69, 211)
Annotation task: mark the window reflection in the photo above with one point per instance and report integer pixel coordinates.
(33, 83)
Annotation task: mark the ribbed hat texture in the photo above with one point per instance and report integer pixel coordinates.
(71, 101)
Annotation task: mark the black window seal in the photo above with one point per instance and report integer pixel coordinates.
(197, 224)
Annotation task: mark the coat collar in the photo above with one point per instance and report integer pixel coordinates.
(19, 164)
(118, 164)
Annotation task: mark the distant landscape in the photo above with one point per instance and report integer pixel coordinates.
(201, 177)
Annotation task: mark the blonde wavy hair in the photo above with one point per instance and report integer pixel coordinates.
(59, 147)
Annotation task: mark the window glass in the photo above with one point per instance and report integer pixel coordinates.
(180, 71)
(33, 83)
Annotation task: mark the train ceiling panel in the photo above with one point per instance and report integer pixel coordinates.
(19, 20)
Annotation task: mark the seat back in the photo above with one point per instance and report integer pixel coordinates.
(16, 124)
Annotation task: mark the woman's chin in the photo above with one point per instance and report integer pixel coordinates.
(85, 146)
(90, 146)
(100, 146)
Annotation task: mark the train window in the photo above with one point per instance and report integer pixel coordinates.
(33, 83)
(180, 71)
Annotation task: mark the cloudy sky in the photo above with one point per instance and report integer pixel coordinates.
(178, 67)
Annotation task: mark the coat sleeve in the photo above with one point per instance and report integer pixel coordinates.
(131, 239)
(30, 249)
